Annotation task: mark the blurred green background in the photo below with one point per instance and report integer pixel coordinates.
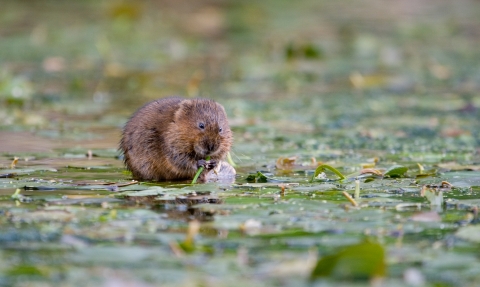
(77, 69)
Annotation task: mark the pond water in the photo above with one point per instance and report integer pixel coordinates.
(387, 95)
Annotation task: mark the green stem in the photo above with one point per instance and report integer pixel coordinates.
(199, 171)
(357, 189)
(230, 160)
(16, 194)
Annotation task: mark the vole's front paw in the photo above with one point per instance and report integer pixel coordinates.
(201, 163)
(207, 164)
(210, 164)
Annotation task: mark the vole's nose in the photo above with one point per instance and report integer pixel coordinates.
(211, 147)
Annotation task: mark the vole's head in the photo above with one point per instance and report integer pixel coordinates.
(202, 125)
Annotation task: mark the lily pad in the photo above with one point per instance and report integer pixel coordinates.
(469, 233)
(361, 261)
(396, 171)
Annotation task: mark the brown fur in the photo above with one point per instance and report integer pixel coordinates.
(163, 140)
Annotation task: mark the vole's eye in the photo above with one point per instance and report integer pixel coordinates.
(201, 126)
(220, 130)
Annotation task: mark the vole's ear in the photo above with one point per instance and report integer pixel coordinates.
(185, 108)
(221, 108)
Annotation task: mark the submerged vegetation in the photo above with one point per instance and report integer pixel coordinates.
(356, 143)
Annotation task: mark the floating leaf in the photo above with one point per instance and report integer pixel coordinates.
(307, 51)
(470, 233)
(453, 166)
(258, 177)
(428, 173)
(44, 216)
(396, 171)
(361, 261)
(312, 52)
(188, 245)
(430, 216)
(285, 163)
(323, 167)
(152, 191)
(22, 171)
(25, 270)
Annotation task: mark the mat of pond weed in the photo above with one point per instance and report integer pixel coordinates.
(357, 144)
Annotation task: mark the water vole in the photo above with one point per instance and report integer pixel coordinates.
(169, 138)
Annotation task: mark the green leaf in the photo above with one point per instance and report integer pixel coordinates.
(312, 52)
(361, 261)
(323, 167)
(396, 171)
(25, 270)
(258, 177)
